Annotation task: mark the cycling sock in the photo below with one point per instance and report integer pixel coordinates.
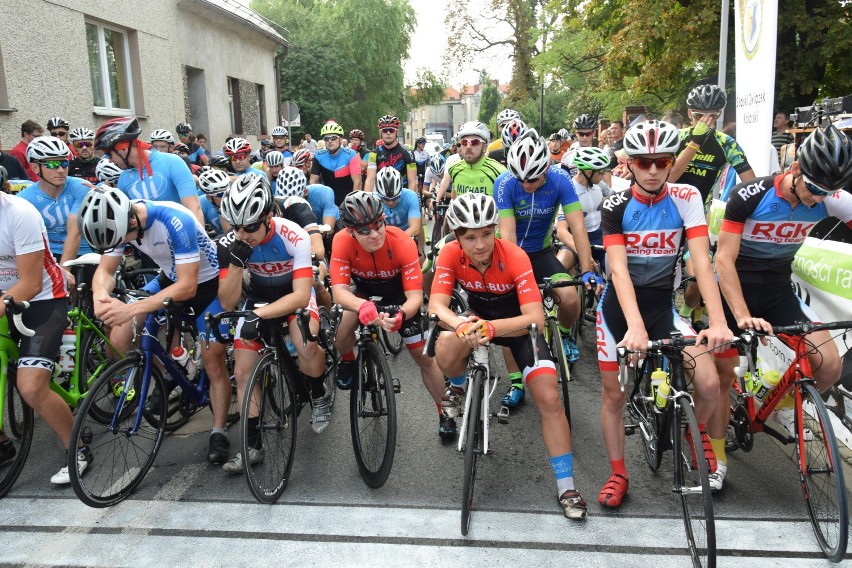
(618, 467)
(458, 382)
(348, 356)
(564, 330)
(253, 434)
(440, 409)
(517, 379)
(223, 431)
(563, 469)
(317, 385)
(685, 311)
(719, 449)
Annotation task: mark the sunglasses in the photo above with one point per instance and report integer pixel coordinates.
(367, 229)
(585, 134)
(54, 164)
(646, 163)
(531, 180)
(240, 157)
(83, 144)
(473, 142)
(815, 189)
(253, 228)
(331, 138)
(700, 115)
(388, 130)
(59, 133)
(390, 199)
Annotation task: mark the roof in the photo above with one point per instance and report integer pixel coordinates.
(451, 93)
(236, 11)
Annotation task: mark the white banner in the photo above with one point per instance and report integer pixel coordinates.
(755, 29)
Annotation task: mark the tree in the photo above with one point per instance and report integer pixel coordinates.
(427, 90)
(489, 102)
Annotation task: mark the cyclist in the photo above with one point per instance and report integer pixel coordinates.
(156, 176)
(356, 142)
(391, 154)
(421, 158)
(401, 206)
(196, 151)
(107, 172)
(213, 184)
(380, 261)
(30, 273)
(276, 255)
(511, 132)
(432, 180)
(474, 171)
(281, 143)
(766, 221)
(162, 140)
(238, 150)
(585, 126)
(58, 127)
(273, 163)
(220, 162)
(498, 278)
(591, 189)
(84, 164)
(554, 144)
(644, 229)
(335, 166)
(528, 198)
(504, 117)
(176, 241)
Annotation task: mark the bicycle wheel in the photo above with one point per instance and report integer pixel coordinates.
(124, 446)
(457, 303)
(372, 416)
(393, 341)
(270, 398)
(650, 422)
(821, 472)
(692, 484)
(563, 370)
(178, 410)
(17, 429)
(326, 342)
(94, 351)
(473, 443)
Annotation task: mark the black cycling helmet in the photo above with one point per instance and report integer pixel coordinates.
(360, 208)
(4, 177)
(420, 140)
(116, 130)
(825, 157)
(585, 122)
(55, 122)
(184, 128)
(707, 97)
(218, 161)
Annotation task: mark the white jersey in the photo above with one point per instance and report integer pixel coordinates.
(591, 199)
(22, 231)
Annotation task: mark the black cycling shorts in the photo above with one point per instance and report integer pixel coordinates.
(545, 264)
(776, 303)
(48, 318)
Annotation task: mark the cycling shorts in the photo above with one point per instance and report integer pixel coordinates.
(48, 319)
(252, 303)
(545, 264)
(776, 303)
(412, 330)
(658, 313)
(200, 304)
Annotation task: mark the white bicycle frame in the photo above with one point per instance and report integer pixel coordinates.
(480, 360)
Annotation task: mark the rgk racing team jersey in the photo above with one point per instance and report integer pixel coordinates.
(704, 168)
(475, 178)
(283, 256)
(499, 292)
(534, 212)
(772, 230)
(22, 232)
(173, 236)
(652, 229)
(389, 272)
(398, 157)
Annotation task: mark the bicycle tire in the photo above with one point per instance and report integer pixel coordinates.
(651, 423)
(692, 484)
(18, 420)
(326, 342)
(270, 393)
(94, 351)
(563, 369)
(393, 341)
(580, 323)
(457, 303)
(121, 459)
(473, 445)
(821, 472)
(372, 416)
(176, 416)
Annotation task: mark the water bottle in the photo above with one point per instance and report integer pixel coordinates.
(661, 398)
(765, 383)
(181, 357)
(290, 346)
(67, 351)
(657, 377)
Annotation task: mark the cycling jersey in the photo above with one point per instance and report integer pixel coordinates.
(651, 229)
(499, 292)
(84, 169)
(591, 199)
(772, 230)
(336, 170)
(388, 272)
(321, 198)
(173, 236)
(408, 207)
(56, 211)
(477, 178)
(498, 155)
(171, 180)
(534, 212)
(22, 232)
(210, 214)
(298, 211)
(283, 256)
(705, 167)
(398, 157)
(431, 178)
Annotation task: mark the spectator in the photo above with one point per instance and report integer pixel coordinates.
(310, 144)
(30, 130)
(616, 141)
(780, 132)
(675, 118)
(201, 140)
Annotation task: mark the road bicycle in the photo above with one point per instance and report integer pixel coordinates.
(817, 457)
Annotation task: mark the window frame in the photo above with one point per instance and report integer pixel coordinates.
(104, 74)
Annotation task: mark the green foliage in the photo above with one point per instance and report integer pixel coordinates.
(489, 104)
(429, 90)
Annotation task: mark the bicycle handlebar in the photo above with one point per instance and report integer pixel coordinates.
(212, 324)
(16, 309)
(806, 327)
(429, 348)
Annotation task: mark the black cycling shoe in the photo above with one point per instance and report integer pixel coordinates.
(218, 449)
(345, 374)
(152, 405)
(447, 428)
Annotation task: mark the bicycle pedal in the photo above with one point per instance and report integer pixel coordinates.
(397, 387)
(629, 429)
(503, 415)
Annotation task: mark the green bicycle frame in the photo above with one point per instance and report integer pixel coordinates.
(8, 353)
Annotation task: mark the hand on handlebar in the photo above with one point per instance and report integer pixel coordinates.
(717, 337)
(636, 341)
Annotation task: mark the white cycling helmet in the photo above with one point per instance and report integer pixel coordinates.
(213, 182)
(388, 183)
(279, 131)
(291, 182)
(513, 130)
(247, 201)
(104, 218)
(274, 158)
(106, 170)
(162, 135)
(507, 115)
(237, 146)
(474, 128)
(528, 157)
(652, 137)
(472, 211)
(47, 148)
(301, 157)
(589, 159)
(436, 164)
(81, 133)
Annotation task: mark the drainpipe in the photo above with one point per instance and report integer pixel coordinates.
(277, 65)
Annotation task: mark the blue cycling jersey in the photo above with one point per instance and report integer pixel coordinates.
(407, 207)
(174, 236)
(321, 198)
(534, 212)
(56, 212)
(210, 213)
(171, 180)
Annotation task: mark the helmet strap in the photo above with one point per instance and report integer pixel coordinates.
(589, 178)
(140, 230)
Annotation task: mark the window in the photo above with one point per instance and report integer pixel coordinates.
(109, 68)
(234, 104)
(261, 109)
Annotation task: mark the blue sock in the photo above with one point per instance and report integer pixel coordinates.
(459, 382)
(563, 469)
